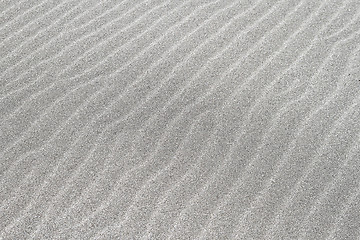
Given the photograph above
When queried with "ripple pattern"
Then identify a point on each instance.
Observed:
(187, 119)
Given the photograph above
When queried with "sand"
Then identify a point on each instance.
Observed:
(186, 119)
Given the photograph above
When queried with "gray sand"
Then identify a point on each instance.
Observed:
(186, 119)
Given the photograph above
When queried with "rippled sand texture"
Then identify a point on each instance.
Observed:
(186, 119)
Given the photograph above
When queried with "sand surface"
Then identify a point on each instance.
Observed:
(179, 119)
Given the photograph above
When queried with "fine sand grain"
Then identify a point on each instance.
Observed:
(179, 119)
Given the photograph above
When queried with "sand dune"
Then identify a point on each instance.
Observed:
(189, 119)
